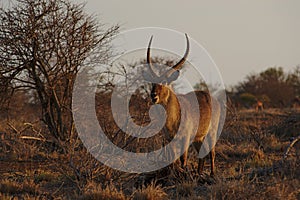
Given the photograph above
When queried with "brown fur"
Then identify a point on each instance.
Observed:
(259, 106)
(207, 126)
(164, 95)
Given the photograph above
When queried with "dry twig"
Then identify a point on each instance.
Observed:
(293, 142)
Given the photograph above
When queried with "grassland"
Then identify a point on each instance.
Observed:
(249, 162)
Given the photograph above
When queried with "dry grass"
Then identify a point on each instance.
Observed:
(248, 161)
(11, 187)
(185, 190)
(150, 192)
(269, 189)
(95, 191)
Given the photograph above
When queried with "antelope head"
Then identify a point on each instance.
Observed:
(161, 89)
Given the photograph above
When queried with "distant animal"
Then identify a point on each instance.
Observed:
(259, 106)
(163, 94)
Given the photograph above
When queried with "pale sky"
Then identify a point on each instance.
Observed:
(241, 36)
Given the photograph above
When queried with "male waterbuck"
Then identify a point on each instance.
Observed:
(162, 93)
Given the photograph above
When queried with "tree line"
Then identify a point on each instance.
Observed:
(273, 86)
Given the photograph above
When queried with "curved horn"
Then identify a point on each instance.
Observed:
(181, 62)
(149, 62)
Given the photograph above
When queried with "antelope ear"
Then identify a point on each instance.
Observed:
(173, 76)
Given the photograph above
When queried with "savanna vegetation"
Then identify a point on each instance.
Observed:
(43, 45)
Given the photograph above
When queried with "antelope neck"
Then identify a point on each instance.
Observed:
(173, 111)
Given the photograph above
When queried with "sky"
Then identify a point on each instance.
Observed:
(242, 37)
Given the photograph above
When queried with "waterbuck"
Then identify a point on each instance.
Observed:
(163, 94)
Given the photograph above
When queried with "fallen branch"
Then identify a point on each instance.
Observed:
(27, 125)
(13, 128)
(32, 138)
(296, 139)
